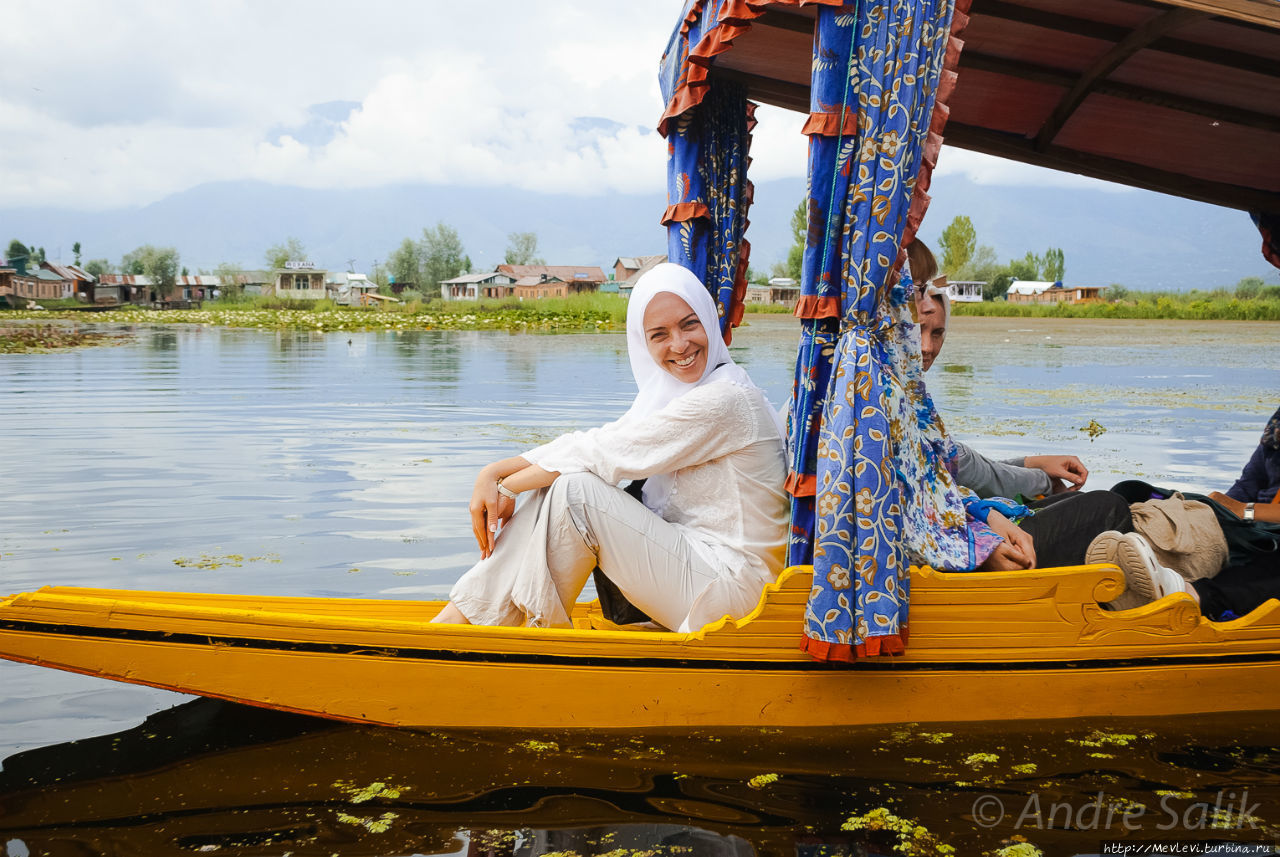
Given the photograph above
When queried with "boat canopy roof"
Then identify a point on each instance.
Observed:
(1176, 96)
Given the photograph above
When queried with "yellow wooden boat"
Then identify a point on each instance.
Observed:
(1001, 646)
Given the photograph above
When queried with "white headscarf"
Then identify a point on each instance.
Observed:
(657, 386)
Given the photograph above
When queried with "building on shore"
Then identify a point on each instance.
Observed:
(965, 291)
(300, 281)
(528, 288)
(17, 288)
(472, 287)
(628, 269)
(578, 279)
(782, 291)
(81, 281)
(1041, 292)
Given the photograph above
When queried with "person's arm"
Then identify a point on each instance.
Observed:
(1066, 472)
(1252, 478)
(706, 423)
(1017, 551)
(1267, 513)
(988, 478)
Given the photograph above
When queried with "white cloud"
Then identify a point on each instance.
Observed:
(157, 97)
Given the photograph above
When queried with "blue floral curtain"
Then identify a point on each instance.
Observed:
(708, 195)
(869, 476)
(708, 124)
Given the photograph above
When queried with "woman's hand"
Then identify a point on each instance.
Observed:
(489, 510)
(1065, 472)
(1016, 553)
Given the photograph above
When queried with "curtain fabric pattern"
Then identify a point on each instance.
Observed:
(708, 196)
(873, 493)
(708, 124)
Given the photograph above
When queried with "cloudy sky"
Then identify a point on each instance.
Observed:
(123, 103)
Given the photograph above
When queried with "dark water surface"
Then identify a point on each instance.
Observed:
(208, 459)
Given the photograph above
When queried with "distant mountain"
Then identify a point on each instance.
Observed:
(1141, 239)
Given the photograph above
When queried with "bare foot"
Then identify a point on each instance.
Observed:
(451, 615)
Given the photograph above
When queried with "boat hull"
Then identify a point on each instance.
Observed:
(992, 647)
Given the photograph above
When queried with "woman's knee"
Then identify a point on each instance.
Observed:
(578, 488)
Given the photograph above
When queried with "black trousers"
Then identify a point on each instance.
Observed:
(1064, 524)
(1236, 591)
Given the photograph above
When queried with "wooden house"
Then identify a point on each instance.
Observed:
(1040, 292)
(578, 279)
(80, 281)
(470, 287)
(541, 287)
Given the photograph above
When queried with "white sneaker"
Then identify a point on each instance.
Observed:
(1146, 580)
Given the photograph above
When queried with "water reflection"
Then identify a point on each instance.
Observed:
(340, 463)
(210, 775)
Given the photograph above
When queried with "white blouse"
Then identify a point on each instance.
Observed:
(721, 446)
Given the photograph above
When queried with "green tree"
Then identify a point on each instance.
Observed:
(18, 255)
(161, 264)
(1249, 288)
(1054, 265)
(443, 257)
(958, 242)
(404, 264)
(1117, 292)
(522, 249)
(290, 250)
(131, 262)
(97, 267)
(39, 256)
(228, 274)
(799, 229)
(75, 249)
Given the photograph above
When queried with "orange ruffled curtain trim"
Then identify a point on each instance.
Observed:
(683, 211)
(735, 19)
(801, 484)
(889, 644)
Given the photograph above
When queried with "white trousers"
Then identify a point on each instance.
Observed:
(558, 535)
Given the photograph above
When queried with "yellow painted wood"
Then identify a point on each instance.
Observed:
(985, 646)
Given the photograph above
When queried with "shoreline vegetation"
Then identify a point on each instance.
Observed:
(36, 338)
(1217, 305)
(23, 331)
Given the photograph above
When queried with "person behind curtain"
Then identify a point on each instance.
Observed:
(1030, 476)
(1259, 482)
(1098, 527)
(711, 531)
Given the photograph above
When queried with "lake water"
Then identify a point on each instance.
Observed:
(213, 459)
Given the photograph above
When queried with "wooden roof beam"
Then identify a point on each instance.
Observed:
(1064, 78)
(1155, 28)
(1002, 10)
(1018, 148)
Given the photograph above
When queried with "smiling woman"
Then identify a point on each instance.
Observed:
(709, 531)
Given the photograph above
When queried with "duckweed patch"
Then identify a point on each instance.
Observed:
(567, 315)
(381, 824)
(211, 562)
(37, 338)
(912, 838)
(539, 746)
(363, 794)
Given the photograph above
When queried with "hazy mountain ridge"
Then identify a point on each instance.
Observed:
(1141, 239)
